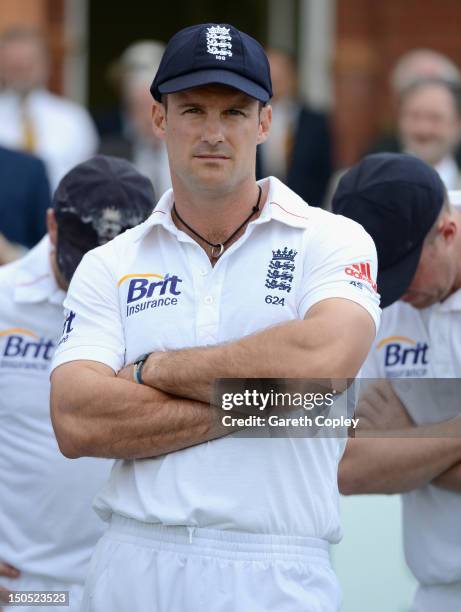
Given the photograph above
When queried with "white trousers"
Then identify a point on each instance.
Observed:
(438, 598)
(151, 568)
(31, 582)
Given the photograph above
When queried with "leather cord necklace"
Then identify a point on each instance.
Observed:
(218, 249)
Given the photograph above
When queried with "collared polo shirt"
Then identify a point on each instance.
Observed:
(424, 345)
(154, 289)
(47, 527)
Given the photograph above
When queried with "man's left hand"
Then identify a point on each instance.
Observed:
(380, 408)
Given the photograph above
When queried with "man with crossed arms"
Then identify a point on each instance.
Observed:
(413, 414)
(202, 520)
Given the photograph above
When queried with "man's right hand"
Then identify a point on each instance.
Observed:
(8, 571)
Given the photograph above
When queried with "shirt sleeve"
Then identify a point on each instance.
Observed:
(340, 261)
(93, 327)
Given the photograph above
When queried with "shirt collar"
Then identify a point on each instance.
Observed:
(452, 303)
(35, 280)
(448, 172)
(281, 205)
(284, 205)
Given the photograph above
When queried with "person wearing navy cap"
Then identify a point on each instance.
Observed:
(47, 527)
(229, 278)
(416, 225)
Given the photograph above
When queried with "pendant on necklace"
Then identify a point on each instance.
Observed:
(214, 250)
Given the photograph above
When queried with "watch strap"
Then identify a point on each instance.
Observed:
(138, 366)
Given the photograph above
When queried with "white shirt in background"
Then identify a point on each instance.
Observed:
(47, 526)
(449, 173)
(63, 131)
(423, 345)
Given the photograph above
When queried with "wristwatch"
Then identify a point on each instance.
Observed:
(138, 366)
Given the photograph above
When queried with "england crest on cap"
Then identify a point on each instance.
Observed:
(219, 42)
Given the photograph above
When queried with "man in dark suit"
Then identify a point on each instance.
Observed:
(298, 150)
(24, 198)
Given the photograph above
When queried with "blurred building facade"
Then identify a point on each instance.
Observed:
(65, 26)
(370, 38)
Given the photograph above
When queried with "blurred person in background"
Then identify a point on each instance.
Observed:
(409, 436)
(421, 64)
(32, 119)
(24, 199)
(414, 66)
(136, 140)
(47, 527)
(429, 125)
(298, 150)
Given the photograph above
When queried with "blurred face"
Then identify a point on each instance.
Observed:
(283, 74)
(211, 134)
(139, 107)
(429, 124)
(437, 272)
(23, 65)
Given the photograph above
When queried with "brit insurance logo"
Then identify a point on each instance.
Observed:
(147, 291)
(219, 42)
(24, 349)
(404, 357)
(68, 326)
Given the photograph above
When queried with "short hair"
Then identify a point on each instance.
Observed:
(452, 88)
(406, 72)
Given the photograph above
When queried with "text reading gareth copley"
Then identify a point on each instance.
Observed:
(273, 400)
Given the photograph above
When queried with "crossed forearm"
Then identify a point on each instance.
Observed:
(450, 479)
(103, 416)
(292, 350)
(402, 461)
(191, 372)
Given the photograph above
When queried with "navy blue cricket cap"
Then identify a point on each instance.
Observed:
(211, 53)
(397, 199)
(94, 202)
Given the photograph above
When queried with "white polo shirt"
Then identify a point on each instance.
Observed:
(154, 289)
(47, 527)
(424, 344)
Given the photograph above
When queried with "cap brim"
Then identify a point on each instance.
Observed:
(394, 281)
(220, 77)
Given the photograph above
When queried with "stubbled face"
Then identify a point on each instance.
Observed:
(211, 134)
(436, 274)
(429, 124)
